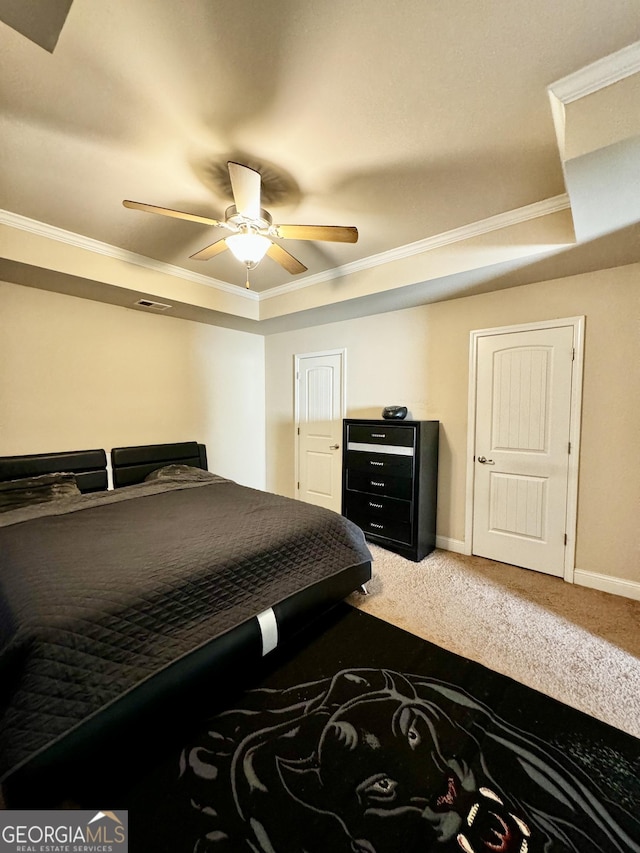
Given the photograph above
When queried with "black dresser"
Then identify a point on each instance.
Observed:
(390, 481)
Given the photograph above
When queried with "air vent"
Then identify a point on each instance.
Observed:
(155, 306)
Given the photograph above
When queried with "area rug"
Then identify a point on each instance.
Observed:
(371, 740)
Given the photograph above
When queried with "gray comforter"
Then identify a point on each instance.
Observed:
(99, 593)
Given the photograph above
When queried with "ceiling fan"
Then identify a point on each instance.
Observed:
(252, 227)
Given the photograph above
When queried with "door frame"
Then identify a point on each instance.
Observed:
(578, 324)
(296, 402)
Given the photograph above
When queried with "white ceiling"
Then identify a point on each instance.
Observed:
(406, 119)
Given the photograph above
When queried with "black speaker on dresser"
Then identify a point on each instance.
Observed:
(390, 481)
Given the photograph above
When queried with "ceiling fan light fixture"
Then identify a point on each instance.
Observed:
(248, 247)
(250, 223)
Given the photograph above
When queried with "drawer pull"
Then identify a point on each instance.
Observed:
(377, 526)
(378, 435)
(375, 506)
(380, 464)
(374, 483)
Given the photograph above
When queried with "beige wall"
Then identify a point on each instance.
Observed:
(76, 373)
(79, 374)
(419, 358)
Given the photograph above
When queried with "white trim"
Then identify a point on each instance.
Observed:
(466, 232)
(23, 223)
(592, 78)
(446, 544)
(598, 75)
(571, 523)
(605, 583)
(471, 445)
(342, 352)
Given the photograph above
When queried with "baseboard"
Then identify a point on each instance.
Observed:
(446, 544)
(605, 583)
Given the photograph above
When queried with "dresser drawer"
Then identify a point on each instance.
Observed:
(377, 507)
(399, 436)
(398, 466)
(399, 531)
(389, 482)
(379, 484)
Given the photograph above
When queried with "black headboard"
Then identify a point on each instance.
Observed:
(132, 464)
(89, 466)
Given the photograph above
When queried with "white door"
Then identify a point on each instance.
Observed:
(522, 434)
(320, 410)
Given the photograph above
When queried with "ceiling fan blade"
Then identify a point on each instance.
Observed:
(210, 251)
(333, 233)
(245, 183)
(167, 211)
(291, 264)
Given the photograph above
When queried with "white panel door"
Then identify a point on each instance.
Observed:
(523, 420)
(320, 413)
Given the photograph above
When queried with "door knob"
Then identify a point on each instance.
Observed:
(334, 447)
(486, 461)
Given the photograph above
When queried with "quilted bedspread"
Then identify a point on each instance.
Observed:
(102, 592)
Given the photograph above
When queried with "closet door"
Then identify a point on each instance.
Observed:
(320, 402)
(521, 462)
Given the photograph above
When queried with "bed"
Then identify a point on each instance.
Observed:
(117, 604)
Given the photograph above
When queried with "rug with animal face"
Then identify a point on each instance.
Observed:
(379, 761)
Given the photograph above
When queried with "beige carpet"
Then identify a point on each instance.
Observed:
(576, 644)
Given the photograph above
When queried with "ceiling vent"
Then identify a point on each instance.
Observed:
(155, 306)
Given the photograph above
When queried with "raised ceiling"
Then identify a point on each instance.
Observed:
(419, 123)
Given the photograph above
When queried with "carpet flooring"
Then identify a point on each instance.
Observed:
(578, 645)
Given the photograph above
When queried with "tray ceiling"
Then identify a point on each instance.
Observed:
(410, 121)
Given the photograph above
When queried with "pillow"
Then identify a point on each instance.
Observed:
(27, 491)
(183, 473)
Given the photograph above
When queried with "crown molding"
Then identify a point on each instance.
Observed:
(42, 229)
(604, 72)
(465, 232)
(455, 235)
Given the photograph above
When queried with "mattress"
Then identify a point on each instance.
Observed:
(102, 594)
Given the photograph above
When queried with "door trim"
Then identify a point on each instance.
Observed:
(296, 401)
(578, 324)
